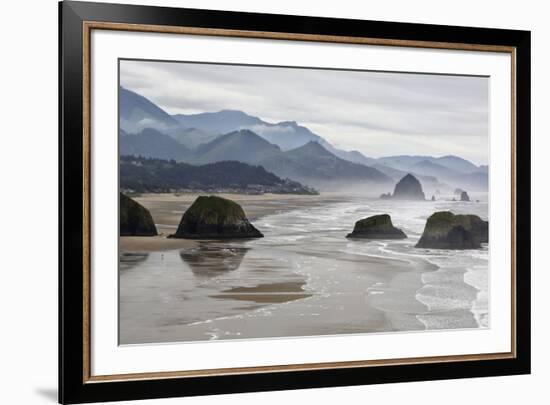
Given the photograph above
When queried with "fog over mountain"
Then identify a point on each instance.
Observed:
(286, 148)
(375, 113)
(137, 113)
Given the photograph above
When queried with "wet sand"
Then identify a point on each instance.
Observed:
(153, 243)
(304, 278)
(374, 295)
(167, 209)
(266, 293)
(222, 298)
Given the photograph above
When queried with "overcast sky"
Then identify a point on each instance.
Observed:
(376, 113)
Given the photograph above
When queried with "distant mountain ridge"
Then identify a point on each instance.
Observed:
(243, 146)
(152, 143)
(210, 137)
(286, 134)
(310, 162)
(221, 122)
(138, 113)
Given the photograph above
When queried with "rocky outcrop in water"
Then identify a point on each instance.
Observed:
(135, 219)
(445, 230)
(464, 196)
(408, 188)
(215, 218)
(376, 227)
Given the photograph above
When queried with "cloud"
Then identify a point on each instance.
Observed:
(267, 130)
(377, 113)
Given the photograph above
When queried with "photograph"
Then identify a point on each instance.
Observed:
(271, 200)
(264, 202)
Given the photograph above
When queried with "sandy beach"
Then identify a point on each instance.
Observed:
(304, 278)
(266, 293)
(167, 209)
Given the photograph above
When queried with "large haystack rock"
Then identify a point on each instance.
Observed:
(408, 188)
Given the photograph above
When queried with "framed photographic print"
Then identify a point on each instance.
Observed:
(257, 202)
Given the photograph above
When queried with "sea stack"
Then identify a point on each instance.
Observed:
(376, 227)
(135, 219)
(464, 196)
(215, 218)
(445, 230)
(408, 188)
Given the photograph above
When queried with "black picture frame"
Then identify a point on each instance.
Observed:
(73, 387)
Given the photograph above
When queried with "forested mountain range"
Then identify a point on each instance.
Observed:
(142, 175)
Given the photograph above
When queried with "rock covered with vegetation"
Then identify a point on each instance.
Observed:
(215, 218)
(376, 227)
(135, 219)
(445, 230)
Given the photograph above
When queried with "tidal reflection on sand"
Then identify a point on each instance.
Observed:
(304, 278)
(211, 259)
(132, 259)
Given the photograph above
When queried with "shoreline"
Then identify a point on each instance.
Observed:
(168, 208)
(290, 283)
(438, 308)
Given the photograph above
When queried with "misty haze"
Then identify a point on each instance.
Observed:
(263, 202)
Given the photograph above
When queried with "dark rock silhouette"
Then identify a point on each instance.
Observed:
(135, 219)
(215, 218)
(408, 188)
(376, 227)
(445, 230)
(464, 196)
(458, 191)
(433, 197)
